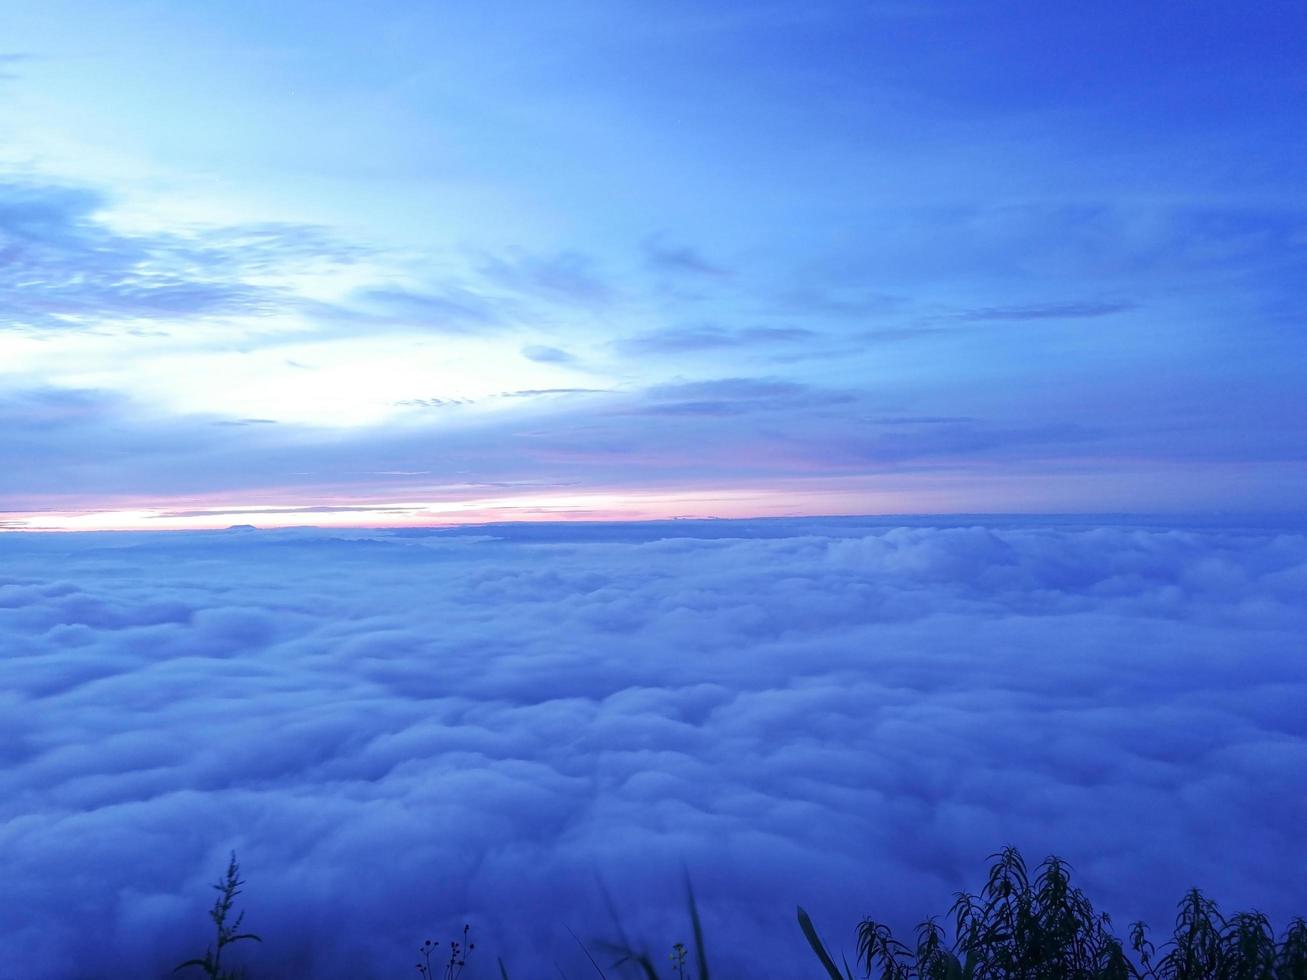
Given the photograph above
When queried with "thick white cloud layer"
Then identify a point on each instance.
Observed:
(399, 732)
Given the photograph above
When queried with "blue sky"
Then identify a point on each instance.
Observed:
(324, 263)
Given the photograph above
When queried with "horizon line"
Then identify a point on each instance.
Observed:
(1224, 518)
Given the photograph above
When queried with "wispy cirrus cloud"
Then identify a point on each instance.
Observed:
(452, 308)
(544, 354)
(1055, 249)
(9, 60)
(544, 392)
(66, 267)
(737, 396)
(682, 340)
(665, 256)
(1065, 310)
(570, 276)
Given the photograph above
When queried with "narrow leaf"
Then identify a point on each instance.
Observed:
(818, 947)
(700, 954)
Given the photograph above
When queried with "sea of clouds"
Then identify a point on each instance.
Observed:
(399, 732)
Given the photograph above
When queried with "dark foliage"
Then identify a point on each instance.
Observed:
(458, 954)
(228, 887)
(1018, 927)
(1021, 927)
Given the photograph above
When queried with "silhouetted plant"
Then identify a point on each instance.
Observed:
(1206, 944)
(818, 947)
(1291, 957)
(677, 956)
(1019, 928)
(228, 887)
(458, 952)
(627, 955)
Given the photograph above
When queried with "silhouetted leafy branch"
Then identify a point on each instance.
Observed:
(228, 887)
(1044, 928)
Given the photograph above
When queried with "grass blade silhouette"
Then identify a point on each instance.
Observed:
(598, 970)
(623, 949)
(818, 947)
(700, 955)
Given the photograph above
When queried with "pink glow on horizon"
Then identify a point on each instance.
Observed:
(1070, 488)
(275, 510)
